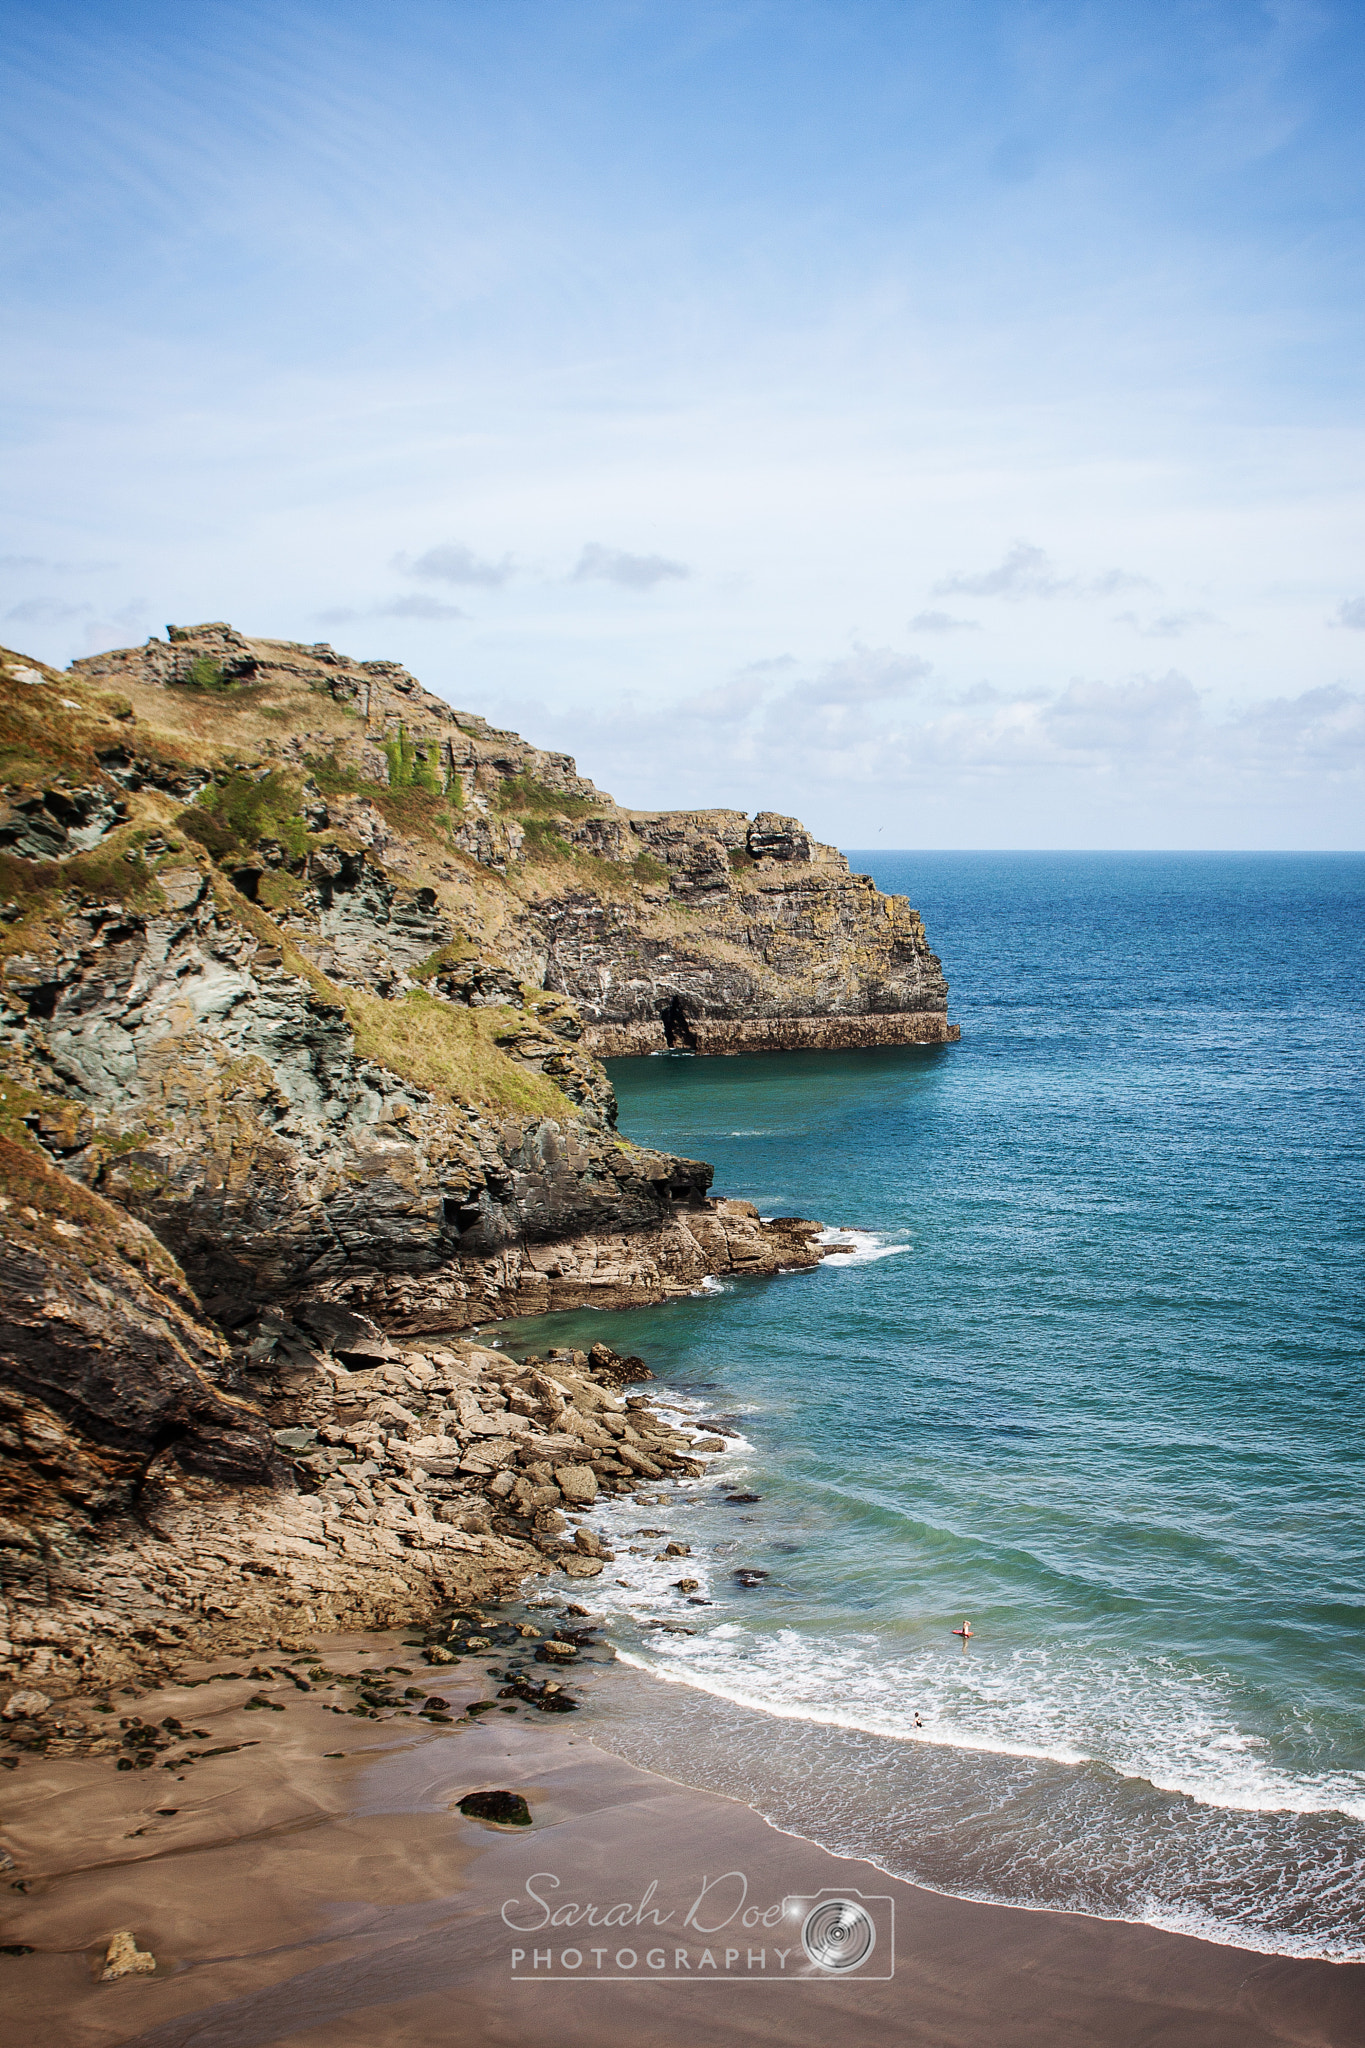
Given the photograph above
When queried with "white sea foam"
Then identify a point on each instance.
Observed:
(867, 1245)
(1148, 1718)
(1146, 1721)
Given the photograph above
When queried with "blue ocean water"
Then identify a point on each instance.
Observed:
(1091, 1378)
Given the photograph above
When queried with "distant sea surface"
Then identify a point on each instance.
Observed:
(1091, 1379)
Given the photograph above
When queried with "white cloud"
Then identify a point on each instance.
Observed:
(413, 605)
(867, 676)
(452, 563)
(417, 606)
(942, 622)
(632, 572)
(1169, 626)
(1323, 729)
(37, 610)
(1093, 762)
(1120, 719)
(1029, 571)
(31, 562)
(1351, 612)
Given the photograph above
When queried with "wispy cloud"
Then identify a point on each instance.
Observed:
(1029, 571)
(41, 562)
(528, 311)
(1107, 753)
(631, 572)
(412, 605)
(453, 563)
(34, 611)
(1169, 626)
(869, 675)
(417, 606)
(942, 622)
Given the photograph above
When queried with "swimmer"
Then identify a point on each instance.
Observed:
(964, 1631)
(918, 1722)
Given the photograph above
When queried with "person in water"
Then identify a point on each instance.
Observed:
(964, 1631)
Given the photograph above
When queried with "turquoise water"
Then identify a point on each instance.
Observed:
(1091, 1378)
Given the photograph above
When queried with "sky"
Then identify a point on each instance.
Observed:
(941, 423)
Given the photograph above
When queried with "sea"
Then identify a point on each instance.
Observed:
(1088, 1377)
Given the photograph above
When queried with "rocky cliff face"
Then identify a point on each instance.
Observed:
(702, 929)
(303, 979)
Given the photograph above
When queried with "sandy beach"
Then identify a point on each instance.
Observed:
(319, 1885)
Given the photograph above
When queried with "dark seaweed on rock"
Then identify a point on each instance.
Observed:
(508, 1809)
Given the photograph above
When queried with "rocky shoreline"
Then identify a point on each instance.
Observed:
(304, 975)
(405, 1478)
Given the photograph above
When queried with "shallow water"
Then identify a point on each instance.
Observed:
(1091, 1378)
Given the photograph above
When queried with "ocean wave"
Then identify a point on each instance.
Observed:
(857, 1247)
(999, 1826)
(1196, 1754)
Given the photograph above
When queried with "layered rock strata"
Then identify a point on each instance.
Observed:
(387, 1480)
(687, 928)
(301, 978)
(772, 1034)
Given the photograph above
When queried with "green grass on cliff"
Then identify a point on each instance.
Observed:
(414, 764)
(420, 811)
(42, 734)
(44, 1204)
(116, 872)
(449, 1050)
(522, 793)
(436, 1045)
(239, 810)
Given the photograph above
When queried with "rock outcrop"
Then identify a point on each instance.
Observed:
(705, 930)
(388, 1481)
(304, 979)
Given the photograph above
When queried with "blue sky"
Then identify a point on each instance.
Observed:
(942, 422)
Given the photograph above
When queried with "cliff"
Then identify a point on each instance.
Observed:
(702, 929)
(303, 981)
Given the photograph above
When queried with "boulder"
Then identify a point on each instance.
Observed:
(22, 1706)
(504, 1809)
(577, 1483)
(124, 1958)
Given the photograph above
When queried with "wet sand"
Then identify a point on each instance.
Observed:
(330, 1901)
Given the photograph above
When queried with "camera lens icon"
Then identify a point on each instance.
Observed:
(838, 1934)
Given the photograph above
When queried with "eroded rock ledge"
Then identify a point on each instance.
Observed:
(400, 1478)
(719, 1035)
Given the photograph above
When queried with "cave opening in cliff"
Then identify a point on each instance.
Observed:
(677, 1030)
